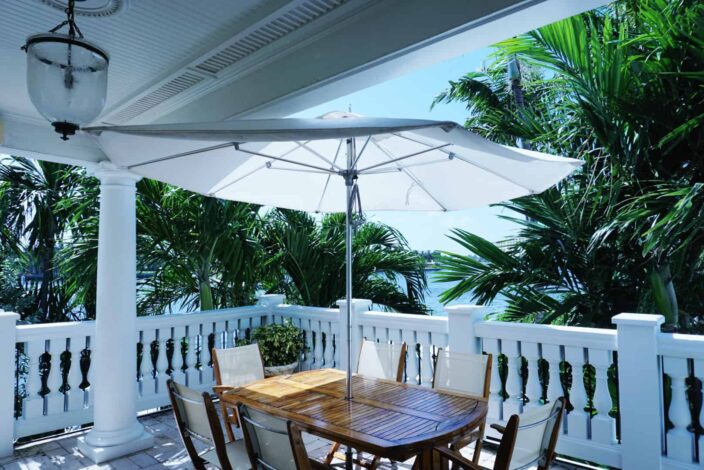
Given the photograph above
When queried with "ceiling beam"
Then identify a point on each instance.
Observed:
(385, 40)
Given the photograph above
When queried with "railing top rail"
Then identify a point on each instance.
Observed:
(54, 330)
(302, 311)
(597, 338)
(403, 321)
(187, 318)
(681, 345)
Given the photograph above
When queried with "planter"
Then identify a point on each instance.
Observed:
(280, 370)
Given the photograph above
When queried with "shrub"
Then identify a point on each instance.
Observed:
(280, 344)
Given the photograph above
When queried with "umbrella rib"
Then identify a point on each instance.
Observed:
(411, 176)
(285, 160)
(314, 152)
(481, 167)
(237, 180)
(359, 155)
(398, 159)
(180, 155)
(327, 180)
(410, 165)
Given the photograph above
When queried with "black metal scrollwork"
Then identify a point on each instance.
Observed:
(65, 366)
(84, 363)
(170, 356)
(44, 370)
(140, 356)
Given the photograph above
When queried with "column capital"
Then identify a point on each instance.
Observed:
(110, 174)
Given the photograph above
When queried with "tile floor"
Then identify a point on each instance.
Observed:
(167, 453)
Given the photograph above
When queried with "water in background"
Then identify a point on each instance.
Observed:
(432, 298)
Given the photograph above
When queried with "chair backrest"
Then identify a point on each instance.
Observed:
(238, 366)
(382, 360)
(196, 418)
(463, 372)
(505, 452)
(537, 436)
(267, 439)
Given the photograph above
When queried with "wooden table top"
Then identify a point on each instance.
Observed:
(386, 418)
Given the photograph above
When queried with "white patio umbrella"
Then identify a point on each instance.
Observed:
(331, 163)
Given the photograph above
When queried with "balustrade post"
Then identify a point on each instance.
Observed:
(603, 425)
(679, 440)
(514, 383)
(461, 320)
(493, 346)
(577, 419)
(359, 306)
(116, 431)
(534, 391)
(640, 389)
(8, 335)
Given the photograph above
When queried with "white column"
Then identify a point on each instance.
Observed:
(461, 320)
(270, 301)
(8, 332)
(116, 431)
(640, 386)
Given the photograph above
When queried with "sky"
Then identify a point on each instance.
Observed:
(410, 96)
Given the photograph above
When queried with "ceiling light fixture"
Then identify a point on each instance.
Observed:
(67, 76)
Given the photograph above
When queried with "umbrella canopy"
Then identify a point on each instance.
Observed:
(327, 164)
(402, 164)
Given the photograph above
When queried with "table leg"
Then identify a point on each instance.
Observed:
(348, 458)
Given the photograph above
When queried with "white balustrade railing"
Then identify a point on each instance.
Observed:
(622, 412)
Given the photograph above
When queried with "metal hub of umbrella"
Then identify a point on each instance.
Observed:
(331, 163)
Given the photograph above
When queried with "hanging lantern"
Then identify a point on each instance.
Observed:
(67, 76)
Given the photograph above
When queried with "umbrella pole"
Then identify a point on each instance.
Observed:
(349, 183)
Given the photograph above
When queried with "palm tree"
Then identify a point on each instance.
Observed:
(34, 225)
(203, 251)
(609, 87)
(311, 259)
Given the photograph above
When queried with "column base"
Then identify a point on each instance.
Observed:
(103, 453)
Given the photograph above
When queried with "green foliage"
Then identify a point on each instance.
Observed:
(279, 344)
(310, 257)
(201, 251)
(621, 88)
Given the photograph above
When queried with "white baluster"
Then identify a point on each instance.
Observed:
(426, 356)
(220, 331)
(34, 403)
(308, 328)
(231, 331)
(368, 333)
(514, 388)
(55, 399)
(76, 396)
(318, 348)
(192, 373)
(412, 377)
(552, 354)
(162, 362)
(149, 382)
(679, 440)
(178, 363)
(328, 344)
(577, 419)
(603, 425)
(493, 347)
(699, 374)
(531, 351)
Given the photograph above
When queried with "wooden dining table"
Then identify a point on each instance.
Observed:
(385, 418)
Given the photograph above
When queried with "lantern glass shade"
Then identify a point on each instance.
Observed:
(66, 77)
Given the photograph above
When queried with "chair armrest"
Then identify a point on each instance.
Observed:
(221, 389)
(457, 458)
(499, 428)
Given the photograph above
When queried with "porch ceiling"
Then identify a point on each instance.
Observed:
(211, 60)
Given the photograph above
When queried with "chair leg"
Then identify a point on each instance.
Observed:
(478, 444)
(331, 453)
(226, 420)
